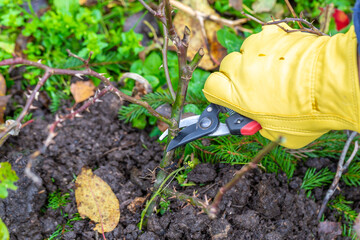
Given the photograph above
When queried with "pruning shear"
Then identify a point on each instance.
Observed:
(208, 124)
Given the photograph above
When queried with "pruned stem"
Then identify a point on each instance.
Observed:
(214, 207)
(339, 171)
(196, 60)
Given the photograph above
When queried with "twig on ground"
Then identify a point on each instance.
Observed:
(340, 169)
(213, 209)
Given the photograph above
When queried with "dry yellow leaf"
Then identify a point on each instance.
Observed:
(197, 40)
(82, 2)
(3, 98)
(96, 200)
(82, 90)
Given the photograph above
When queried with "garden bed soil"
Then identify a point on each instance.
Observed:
(261, 206)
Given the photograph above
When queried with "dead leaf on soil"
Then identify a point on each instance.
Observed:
(96, 200)
(329, 229)
(137, 202)
(197, 41)
(82, 90)
(3, 99)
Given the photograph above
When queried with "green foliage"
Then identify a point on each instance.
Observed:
(7, 179)
(344, 209)
(57, 200)
(4, 233)
(130, 47)
(329, 145)
(312, 8)
(241, 150)
(352, 176)
(348, 231)
(67, 25)
(190, 162)
(164, 204)
(134, 112)
(229, 39)
(343, 206)
(64, 228)
(313, 179)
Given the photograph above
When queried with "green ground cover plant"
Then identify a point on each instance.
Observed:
(97, 40)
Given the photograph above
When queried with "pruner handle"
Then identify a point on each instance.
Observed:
(241, 125)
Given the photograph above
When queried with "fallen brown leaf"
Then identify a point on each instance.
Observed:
(82, 90)
(137, 202)
(96, 200)
(329, 230)
(217, 52)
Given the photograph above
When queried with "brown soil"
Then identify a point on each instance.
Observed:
(261, 206)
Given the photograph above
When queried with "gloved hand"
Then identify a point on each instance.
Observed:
(297, 85)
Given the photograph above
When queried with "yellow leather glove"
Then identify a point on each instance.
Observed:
(296, 85)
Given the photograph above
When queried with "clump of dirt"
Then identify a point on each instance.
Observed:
(260, 206)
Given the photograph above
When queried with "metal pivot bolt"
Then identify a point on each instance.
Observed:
(205, 123)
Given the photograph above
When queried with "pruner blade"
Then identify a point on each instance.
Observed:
(207, 123)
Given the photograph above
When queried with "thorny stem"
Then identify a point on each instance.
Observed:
(55, 71)
(340, 169)
(214, 207)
